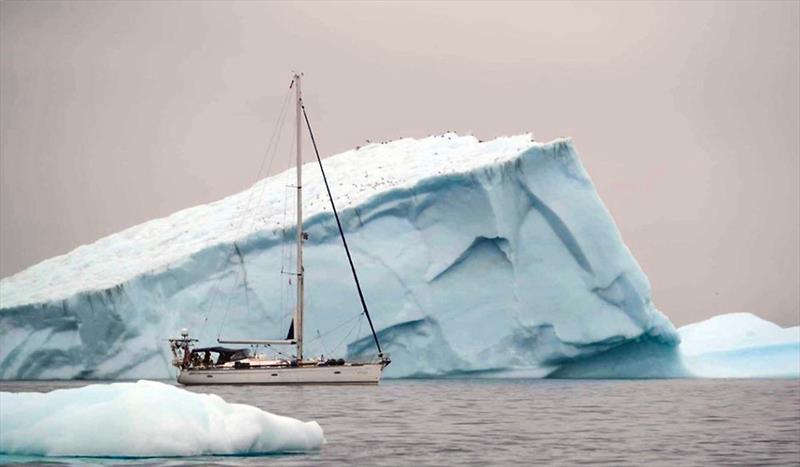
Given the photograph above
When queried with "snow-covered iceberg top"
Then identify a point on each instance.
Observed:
(144, 419)
(354, 176)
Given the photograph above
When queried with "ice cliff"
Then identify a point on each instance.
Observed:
(475, 257)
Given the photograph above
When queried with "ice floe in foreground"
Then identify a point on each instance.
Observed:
(144, 419)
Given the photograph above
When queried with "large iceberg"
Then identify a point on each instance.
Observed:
(476, 257)
(144, 419)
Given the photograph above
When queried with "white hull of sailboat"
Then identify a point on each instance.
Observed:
(368, 373)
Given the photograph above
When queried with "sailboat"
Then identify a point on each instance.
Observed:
(223, 365)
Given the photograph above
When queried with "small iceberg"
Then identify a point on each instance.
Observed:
(144, 419)
(740, 345)
(735, 345)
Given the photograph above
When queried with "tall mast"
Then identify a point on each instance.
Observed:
(298, 319)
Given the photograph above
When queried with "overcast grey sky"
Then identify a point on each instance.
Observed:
(686, 115)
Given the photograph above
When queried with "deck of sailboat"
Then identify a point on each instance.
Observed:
(349, 373)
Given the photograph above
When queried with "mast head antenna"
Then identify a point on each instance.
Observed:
(295, 76)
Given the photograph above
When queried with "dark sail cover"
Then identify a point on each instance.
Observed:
(290, 335)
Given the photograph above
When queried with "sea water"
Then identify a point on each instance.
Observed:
(517, 422)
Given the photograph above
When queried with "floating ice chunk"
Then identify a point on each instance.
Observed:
(736, 345)
(740, 345)
(144, 419)
(733, 331)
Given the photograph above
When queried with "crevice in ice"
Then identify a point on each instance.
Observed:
(563, 152)
(245, 285)
(11, 358)
(398, 208)
(138, 359)
(498, 243)
(98, 330)
(49, 358)
(407, 292)
(622, 294)
(559, 228)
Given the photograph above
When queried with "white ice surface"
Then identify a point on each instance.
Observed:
(733, 331)
(740, 345)
(143, 419)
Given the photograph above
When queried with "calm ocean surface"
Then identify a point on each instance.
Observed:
(520, 422)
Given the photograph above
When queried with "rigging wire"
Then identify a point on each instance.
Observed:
(278, 352)
(346, 336)
(322, 343)
(358, 332)
(341, 233)
(286, 251)
(282, 289)
(337, 327)
(271, 148)
(272, 159)
(253, 218)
